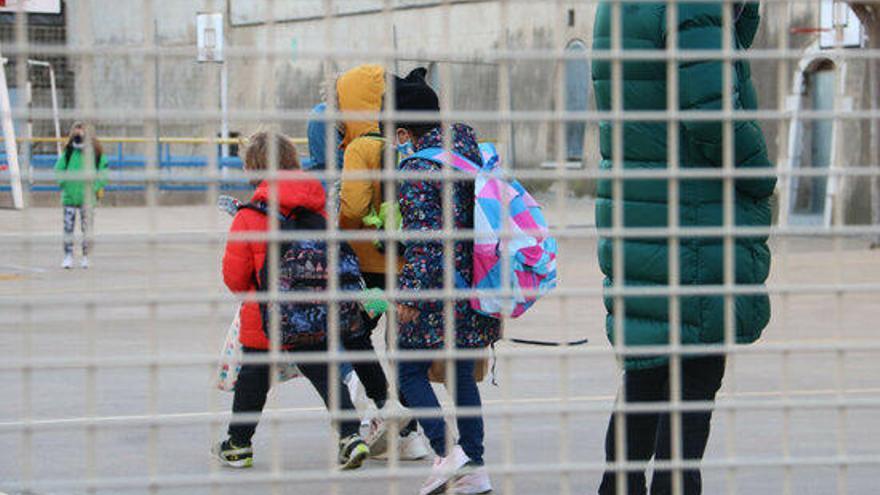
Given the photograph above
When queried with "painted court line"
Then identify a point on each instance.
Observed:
(535, 400)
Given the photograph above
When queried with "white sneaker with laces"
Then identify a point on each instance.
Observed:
(411, 447)
(476, 482)
(446, 469)
(84, 262)
(67, 264)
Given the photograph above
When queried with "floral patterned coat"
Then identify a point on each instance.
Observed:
(421, 207)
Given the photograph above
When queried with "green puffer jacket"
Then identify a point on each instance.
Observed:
(645, 201)
(73, 191)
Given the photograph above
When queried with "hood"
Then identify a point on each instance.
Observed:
(316, 132)
(361, 90)
(299, 190)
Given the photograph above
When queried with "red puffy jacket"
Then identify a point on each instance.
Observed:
(244, 258)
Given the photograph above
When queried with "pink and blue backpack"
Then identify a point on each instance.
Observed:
(526, 240)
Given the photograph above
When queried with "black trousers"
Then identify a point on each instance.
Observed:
(252, 388)
(649, 434)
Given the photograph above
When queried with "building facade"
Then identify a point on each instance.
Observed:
(279, 54)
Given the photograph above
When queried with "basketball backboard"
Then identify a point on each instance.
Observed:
(840, 26)
(209, 37)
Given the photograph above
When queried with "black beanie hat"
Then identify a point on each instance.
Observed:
(413, 93)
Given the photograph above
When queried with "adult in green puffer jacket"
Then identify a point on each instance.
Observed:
(645, 205)
(79, 196)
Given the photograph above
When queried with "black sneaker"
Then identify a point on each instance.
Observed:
(234, 456)
(353, 451)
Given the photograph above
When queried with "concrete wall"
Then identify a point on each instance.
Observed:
(117, 83)
(469, 86)
(291, 81)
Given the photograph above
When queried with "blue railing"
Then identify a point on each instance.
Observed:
(120, 161)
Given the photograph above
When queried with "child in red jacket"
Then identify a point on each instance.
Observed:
(242, 263)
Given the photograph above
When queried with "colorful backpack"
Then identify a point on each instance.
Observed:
(531, 251)
(302, 267)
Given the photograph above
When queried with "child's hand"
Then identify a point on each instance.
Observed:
(407, 314)
(228, 204)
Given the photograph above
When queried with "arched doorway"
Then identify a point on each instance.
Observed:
(812, 144)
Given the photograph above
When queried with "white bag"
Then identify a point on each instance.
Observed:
(231, 356)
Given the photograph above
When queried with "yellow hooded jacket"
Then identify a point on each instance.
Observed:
(360, 90)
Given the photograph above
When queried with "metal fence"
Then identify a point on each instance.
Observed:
(109, 374)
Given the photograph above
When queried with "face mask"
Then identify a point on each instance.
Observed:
(405, 150)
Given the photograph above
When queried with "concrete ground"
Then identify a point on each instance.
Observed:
(800, 422)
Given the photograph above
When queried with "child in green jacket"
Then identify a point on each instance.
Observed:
(80, 195)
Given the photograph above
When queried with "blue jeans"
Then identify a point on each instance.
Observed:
(420, 396)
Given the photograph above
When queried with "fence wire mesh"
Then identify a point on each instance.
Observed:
(694, 160)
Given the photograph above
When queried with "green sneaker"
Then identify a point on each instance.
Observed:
(353, 451)
(232, 455)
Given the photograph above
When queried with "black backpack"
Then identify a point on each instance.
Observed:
(302, 267)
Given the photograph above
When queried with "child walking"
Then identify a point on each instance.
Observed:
(362, 89)
(78, 197)
(422, 322)
(298, 196)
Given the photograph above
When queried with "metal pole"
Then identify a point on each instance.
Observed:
(29, 133)
(224, 108)
(55, 115)
(9, 142)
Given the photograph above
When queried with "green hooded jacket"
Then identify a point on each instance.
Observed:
(73, 191)
(645, 202)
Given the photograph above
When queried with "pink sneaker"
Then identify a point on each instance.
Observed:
(475, 482)
(446, 469)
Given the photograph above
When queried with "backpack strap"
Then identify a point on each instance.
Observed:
(303, 218)
(491, 158)
(443, 157)
(68, 151)
(261, 208)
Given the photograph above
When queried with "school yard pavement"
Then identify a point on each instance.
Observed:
(799, 422)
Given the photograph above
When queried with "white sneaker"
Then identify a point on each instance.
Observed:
(446, 469)
(377, 438)
(67, 264)
(411, 447)
(476, 482)
(84, 262)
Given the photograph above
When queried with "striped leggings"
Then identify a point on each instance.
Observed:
(86, 215)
